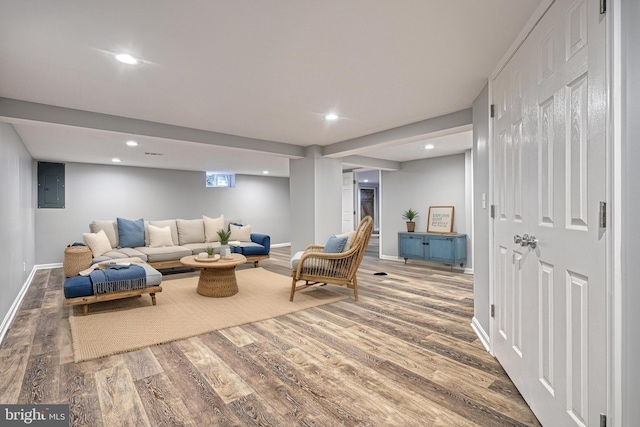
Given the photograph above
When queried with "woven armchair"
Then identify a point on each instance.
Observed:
(315, 266)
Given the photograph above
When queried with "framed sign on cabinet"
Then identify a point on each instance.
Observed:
(440, 219)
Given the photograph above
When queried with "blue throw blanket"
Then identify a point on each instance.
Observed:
(118, 278)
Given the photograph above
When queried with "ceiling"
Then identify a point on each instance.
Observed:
(264, 71)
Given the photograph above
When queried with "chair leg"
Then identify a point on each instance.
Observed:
(293, 289)
(355, 288)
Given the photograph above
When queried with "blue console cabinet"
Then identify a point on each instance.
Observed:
(449, 249)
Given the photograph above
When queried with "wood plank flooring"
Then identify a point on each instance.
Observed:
(403, 355)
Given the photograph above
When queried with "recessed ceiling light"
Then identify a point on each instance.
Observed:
(116, 160)
(132, 143)
(429, 147)
(128, 59)
(266, 172)
(331, 116)
(366, 180)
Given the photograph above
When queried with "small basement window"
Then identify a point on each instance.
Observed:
(220, 179)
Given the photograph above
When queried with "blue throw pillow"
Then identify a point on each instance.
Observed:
(130, 233)
(335, 245)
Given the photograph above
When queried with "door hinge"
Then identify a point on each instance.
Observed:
(603, 7)
(493, 211)
(603, 420)
(602, 215)
(492, 110)
(493, 310)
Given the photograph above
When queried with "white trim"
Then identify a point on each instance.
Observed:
(48, 266)
(391, 258)
(469, 205)
(4, 327)
(614, 198)
(482, 335)
(281, 245)
(490, 196)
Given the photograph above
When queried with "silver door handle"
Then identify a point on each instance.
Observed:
(531, 241)
(525, 240)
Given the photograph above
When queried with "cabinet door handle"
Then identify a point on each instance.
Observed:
(425, 243)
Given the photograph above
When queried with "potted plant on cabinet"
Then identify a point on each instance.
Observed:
(409, 215)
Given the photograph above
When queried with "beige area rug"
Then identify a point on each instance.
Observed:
(124, 325)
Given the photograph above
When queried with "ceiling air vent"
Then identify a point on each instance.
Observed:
(153, 154)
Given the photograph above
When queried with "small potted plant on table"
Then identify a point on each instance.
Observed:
(224, 241)
(409, 215)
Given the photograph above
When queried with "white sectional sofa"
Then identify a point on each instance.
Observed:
(162, 243)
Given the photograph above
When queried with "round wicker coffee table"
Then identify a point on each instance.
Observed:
(217, 279)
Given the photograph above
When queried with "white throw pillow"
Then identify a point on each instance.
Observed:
(240, 234)
(190, 231)
(110, 229)
(159, 237)
(211, 227)
(350, 235)
(98, 242)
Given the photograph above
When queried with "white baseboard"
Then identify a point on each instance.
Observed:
(6, 322)
(391, 258)
(482, 335)
(46, 266)
(281, 245)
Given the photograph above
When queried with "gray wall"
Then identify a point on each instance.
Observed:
(96, 192)
(630, 208)
(417, 185)
(316, 198)
(17, 196)
(481, 217)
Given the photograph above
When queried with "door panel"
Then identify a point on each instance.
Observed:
(549, 174)
(347, 202)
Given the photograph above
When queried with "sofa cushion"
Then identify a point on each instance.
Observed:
(78, 286)
(190, 231)
(97, 242)
(249, 248)
(166, 253)
(130, 232)
(196, 248)
(159, 237)
(295, 260)
(211, 227)
(171, 223)
(110, 228)
(116, 254)
(240, 233)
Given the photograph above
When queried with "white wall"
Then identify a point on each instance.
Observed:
(17, 197)
(481, 220)
(630, 369)
(95, 192)
(419, 184)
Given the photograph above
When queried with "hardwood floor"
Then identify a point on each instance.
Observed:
(403, 355)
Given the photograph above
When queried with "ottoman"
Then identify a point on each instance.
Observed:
(79, 290)
(76, 259)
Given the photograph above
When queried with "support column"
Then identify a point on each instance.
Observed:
(315, 192)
